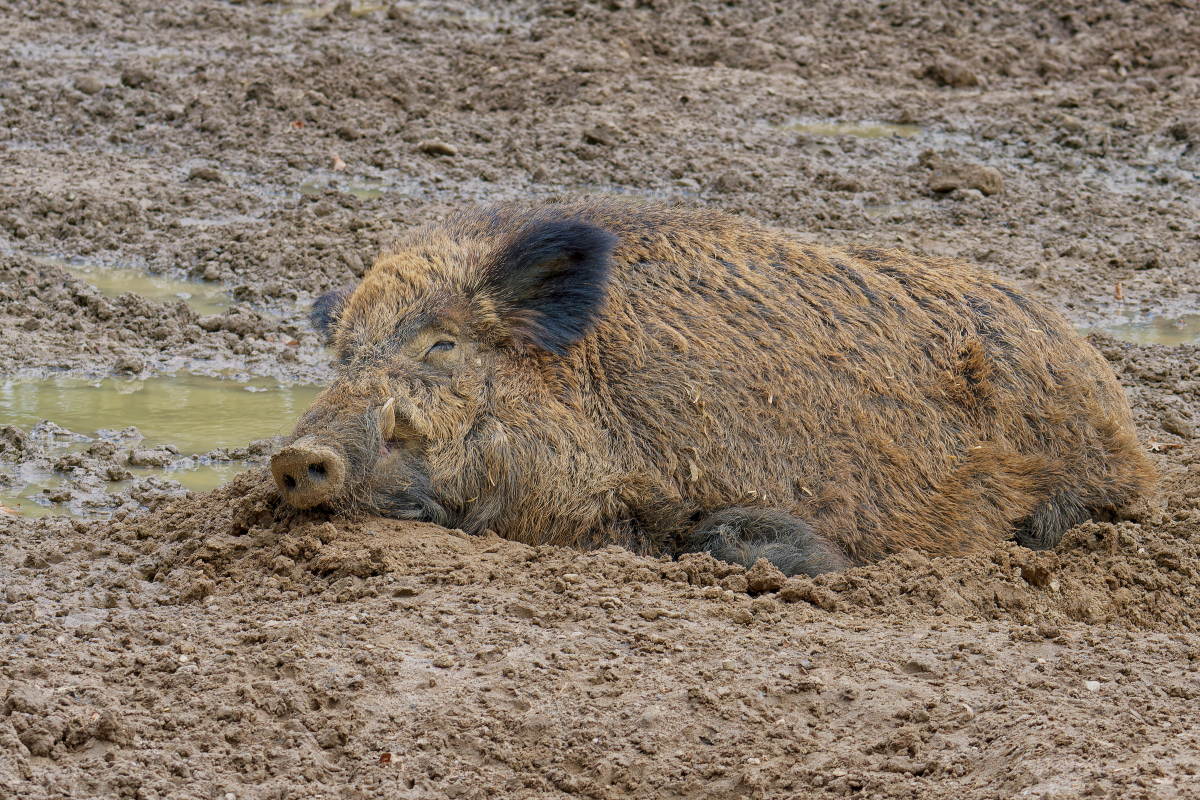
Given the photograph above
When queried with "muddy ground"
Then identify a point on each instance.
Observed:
(216, 646)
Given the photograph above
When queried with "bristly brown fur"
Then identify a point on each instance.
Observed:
(889, 401)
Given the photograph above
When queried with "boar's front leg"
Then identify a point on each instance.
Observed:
(742, 535)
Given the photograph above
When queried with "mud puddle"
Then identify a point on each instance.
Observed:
(865, 130)
(204, 298)
(364, 189)
(888, 211)
(210, 418)
(193, 413)
(1169, 331)
(44, 494)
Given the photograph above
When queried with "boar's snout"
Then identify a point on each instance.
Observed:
(308, 473)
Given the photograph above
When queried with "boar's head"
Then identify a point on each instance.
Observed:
(439, 409)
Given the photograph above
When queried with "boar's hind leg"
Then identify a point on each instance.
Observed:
(744, 535)
(1044, 528)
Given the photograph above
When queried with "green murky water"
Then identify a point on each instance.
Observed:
(1159, 330)
(195, 414)
(204, 298)
(868, 130)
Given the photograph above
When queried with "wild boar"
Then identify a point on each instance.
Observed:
(675, 379)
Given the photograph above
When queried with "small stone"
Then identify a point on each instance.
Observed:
(350, 133)
(436, 147)
(1092, 686)
(727, 665)
(728, 182)
(951, 72)
(1182, 131)
(88, 84)
(1069, 123)
(443, 661)
(32, 324)
(141, 457)
(948, 177)
(136, 77)
(540, 174)
(605, 134)
(355, 263)
(919, 666)
(521, 611)
(843, 183)
(130, 365)
(205, 174)
(764, 577)
(1175, 424)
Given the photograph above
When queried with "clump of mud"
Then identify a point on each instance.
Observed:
(227, 640)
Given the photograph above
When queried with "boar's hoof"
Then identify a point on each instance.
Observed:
(307, 473)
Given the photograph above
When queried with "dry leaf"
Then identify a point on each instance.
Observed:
(338, 164)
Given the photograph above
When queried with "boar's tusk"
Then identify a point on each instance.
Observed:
(387, 419)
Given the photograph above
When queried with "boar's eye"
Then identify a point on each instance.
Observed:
(441, 347)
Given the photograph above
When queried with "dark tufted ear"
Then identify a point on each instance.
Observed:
(327, 310)
(549, 282)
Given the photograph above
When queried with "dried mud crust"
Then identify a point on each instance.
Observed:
(226, 644)
(54, 323)
(1058, 143)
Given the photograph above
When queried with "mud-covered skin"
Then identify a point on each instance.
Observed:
(616, 372)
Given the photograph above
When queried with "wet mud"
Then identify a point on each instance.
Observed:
(161, 643)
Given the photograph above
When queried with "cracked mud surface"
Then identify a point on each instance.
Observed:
(209, 645)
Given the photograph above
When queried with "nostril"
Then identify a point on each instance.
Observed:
(308, 473)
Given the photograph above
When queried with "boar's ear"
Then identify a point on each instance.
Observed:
(327, 310)
(550, 281)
